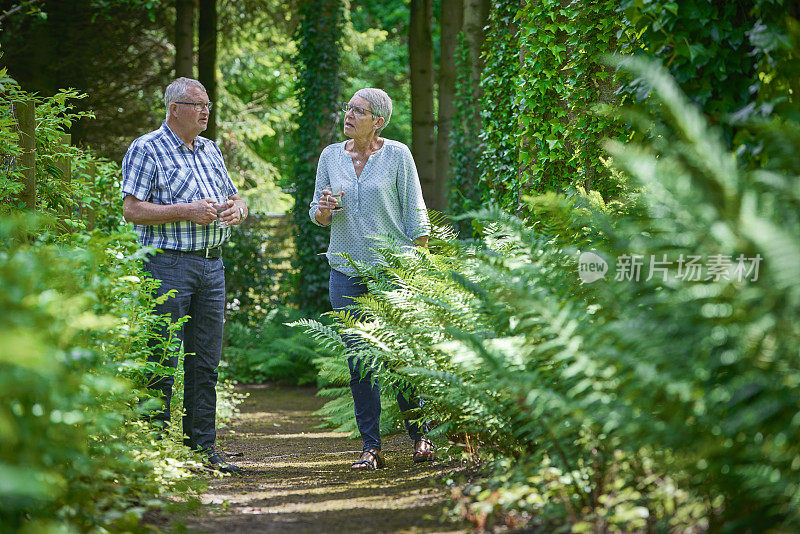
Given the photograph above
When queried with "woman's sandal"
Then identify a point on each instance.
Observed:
(424, 451)
(371, 459)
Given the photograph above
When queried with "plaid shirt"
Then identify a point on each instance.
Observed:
(160, 168)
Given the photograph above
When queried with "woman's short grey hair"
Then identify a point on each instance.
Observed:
(380, 103)
(177, 90)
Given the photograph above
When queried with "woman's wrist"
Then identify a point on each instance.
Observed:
(323, 217)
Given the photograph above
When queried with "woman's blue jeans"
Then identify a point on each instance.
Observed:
(366, 393)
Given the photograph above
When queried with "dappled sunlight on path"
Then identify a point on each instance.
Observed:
(298, 479)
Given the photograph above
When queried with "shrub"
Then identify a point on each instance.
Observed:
(270, 351)
(73, 450)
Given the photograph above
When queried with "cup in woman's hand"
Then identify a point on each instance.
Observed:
(339, 198)
(220, 207)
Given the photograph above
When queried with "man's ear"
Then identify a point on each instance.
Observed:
(380, 120)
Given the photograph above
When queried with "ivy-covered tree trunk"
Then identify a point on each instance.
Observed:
(451, 18)
(184, 38)
(207, 59)
(497, 177)
(423, 143)
(476, 15)
(318, 91)
(465, 143)
(558, 135)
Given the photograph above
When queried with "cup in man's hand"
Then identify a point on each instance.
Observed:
(220, 207)
(339, 198)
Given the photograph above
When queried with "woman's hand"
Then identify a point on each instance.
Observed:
(324, 207)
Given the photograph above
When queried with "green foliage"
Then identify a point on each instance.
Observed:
(257, 107)
(465, 147)
(559, 137)
(258, 260)
(123, 68)
(72, 199)
(660, 404)
(271, 351)
(498, 180)
(722, 54)
(542, 77)
(375, 54)
(73, 451)
(318, 89)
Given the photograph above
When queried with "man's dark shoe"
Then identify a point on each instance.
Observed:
(214, 461)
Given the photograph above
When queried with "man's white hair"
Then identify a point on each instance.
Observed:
(380, 103)
(177, 90)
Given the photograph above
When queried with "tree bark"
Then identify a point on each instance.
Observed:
(318, 87)
(420, 51)
(207, 59)
(25, 112)
(184, 38)
(476, 16)
(452, 15)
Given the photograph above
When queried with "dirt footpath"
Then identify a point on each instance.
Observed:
(298, 478)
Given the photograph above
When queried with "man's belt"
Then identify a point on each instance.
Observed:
(211, 253)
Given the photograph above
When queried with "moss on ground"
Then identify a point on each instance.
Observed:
(298, 480)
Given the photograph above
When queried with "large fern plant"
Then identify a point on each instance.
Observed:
(663, 403)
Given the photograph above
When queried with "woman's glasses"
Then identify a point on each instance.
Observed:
(360, 112)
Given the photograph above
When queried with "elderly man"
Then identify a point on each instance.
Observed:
(181, 200)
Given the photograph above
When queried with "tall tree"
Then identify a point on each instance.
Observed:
(318, 90)
(115, 52)
(452, 13)
(423, 147)
(207, 58)
(184, 38)
(476, 16)
(465, 143)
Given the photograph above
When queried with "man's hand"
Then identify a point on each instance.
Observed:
(231, 216)
(202, 211)
(235, 211)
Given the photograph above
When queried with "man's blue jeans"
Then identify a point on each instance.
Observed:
(200, 285)
(366, 393)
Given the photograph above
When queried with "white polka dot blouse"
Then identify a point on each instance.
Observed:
(384, 205)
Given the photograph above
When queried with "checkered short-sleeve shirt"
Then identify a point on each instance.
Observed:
(160, 168)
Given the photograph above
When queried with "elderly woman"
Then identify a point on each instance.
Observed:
(376, 182)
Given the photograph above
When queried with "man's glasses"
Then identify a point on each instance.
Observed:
(198, 106)
(360, 112)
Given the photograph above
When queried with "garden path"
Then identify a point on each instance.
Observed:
(298, 479)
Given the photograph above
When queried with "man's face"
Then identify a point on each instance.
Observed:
(187, 117)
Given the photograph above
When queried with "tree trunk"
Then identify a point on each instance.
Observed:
(184, 38)
(451, 19)
(25, 112)
(318, 87)
(476, 16)
(420, 51)
(207, 59)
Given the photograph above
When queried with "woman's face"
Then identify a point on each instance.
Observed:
(359, 125)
